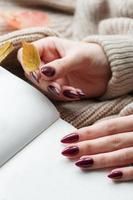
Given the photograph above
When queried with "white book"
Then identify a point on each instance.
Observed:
(32, 167)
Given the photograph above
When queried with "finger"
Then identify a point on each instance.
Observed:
(50, 89)
(35, 76)
(69, 92)
(81, 93)
(122, 174)
(54, 90)
(46, 49)
(103, 128)
(101, 145)
(47, 52)
(20, 58)
(117, 158)
(59, 68)
(32, 79)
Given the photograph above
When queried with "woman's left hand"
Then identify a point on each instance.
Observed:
(105, 144)
(69, 70)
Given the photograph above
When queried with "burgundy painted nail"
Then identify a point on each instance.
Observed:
(85, 162)
(70, 151)
(48, 71)
(73, 137)
(115, 175)
(82, 95)
(70, 94)
(35, 76)
(53, 90)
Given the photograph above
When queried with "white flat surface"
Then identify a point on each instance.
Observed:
(24, 114)
(40, 172)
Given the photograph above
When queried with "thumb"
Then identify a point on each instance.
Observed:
(58, 68)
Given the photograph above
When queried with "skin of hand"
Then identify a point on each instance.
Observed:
(108, 143)
(70, 70)
(75, 70)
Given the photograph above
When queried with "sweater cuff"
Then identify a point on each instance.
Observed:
(119, 52)
(128, 110)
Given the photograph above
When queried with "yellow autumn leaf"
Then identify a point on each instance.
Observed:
(30, 56)
(5, 50)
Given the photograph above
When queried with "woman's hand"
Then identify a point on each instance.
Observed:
(70, 70)
(105, 144)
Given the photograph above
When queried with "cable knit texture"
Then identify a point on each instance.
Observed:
(108, 23)
(119, 52)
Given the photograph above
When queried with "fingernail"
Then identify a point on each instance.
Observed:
(48, 71)
(70, 151)
(115, 175)
(70, 94)
(35, 76)
(85, 162)
(53, 90)
(81, 94)
(73, 137)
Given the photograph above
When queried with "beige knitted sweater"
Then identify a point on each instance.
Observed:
(110, 24)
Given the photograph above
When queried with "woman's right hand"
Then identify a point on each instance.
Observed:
(106, 144)
(70, 70)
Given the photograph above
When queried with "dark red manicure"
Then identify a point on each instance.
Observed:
(85, 162)
(70, 94)
(73, 137)
(115, 175)
(35, 76)
(53, 90)
(48, 71)
(70, 151)
(82, 95)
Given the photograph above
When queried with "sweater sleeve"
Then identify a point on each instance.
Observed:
(119, 52)
(100, 16)
(127, 110)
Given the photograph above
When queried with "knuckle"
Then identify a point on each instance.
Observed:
(115, 141)
(127, 156)
(131, 173)
(88, 147)
(61, 67)
(88, 134)
(111, 127)
(53, 38)
(104, 161)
